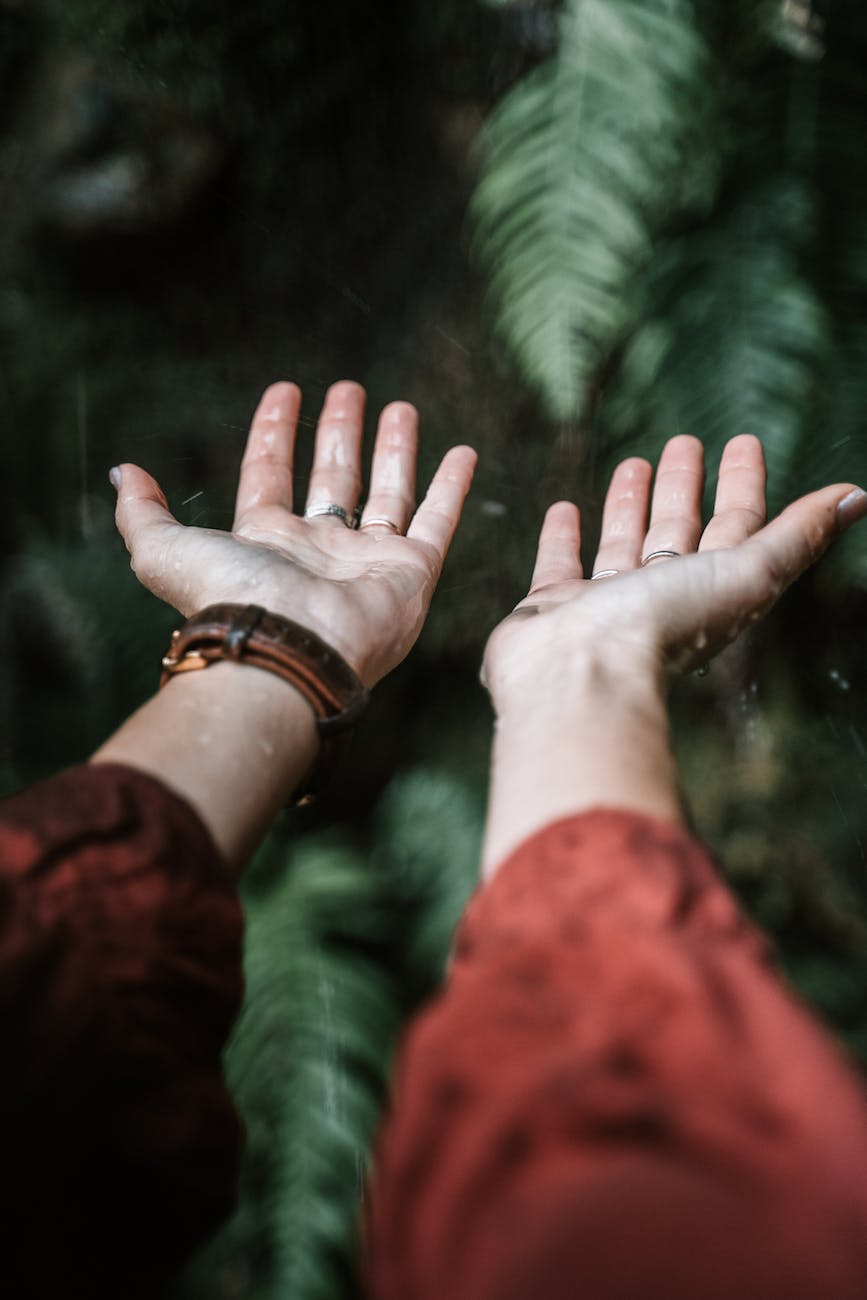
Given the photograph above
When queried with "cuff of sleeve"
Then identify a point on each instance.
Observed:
(107, 799)
(596, 868)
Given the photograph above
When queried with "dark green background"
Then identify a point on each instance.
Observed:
(197, 199)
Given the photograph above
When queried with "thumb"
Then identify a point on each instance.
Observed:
(732, 587)
(143, 519)
(797, 537)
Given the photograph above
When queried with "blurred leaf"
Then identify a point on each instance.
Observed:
(340, 946)
(581, 164)
(737, 341)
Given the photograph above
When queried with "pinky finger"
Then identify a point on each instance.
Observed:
(437, 517)
(558, 556)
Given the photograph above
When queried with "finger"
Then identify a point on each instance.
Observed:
(146, 525)
(392, 471)
(266, 467)
(675, 512)
(624, 517)
(734, 587)
(437, 517)
(335, 478)
(558, 556)
(797, 537)
(739, 508)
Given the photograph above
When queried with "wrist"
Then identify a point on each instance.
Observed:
(587, 736)
(233, 740)
(573, 675)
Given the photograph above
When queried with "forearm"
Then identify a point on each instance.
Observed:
(584, 737)
(231, 740)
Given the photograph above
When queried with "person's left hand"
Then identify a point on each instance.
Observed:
(366, 592)
(671, 591)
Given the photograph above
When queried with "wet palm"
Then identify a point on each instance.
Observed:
(670, 613)
(365, 592)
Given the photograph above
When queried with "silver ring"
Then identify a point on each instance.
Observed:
(382, 522)
(313, 512)
(656, 555)
(605, 573)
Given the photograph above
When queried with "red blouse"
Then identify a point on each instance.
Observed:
(120, 976)
(613, 1096)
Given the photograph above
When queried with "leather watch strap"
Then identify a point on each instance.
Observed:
(252, 635)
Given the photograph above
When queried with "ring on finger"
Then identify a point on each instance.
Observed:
(658, 555)
(331, 508)
(605, 573)
(381, 522)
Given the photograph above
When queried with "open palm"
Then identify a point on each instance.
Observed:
(365, 592)
(667, 591)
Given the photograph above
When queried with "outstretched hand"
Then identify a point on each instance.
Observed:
(367, 591)
(664, 592)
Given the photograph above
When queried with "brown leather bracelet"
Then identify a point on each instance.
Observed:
(251, 635)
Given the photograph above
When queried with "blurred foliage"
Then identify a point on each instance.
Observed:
(671, 217)
(201, 197)
(341, 946)
(583, 160)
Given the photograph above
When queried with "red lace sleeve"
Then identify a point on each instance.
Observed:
(615, 1097)
(120, 975)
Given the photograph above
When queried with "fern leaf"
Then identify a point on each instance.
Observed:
(581, 163)
(737, 341)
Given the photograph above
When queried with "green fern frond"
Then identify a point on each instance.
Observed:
(308, 1060)
(427, 837)
(340, 946)
(581, 164)
(737, 341)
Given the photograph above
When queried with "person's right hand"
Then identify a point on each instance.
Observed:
(671, 613)
(364, 591)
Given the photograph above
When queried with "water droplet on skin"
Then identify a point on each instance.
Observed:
(334, 448)
(391, 474)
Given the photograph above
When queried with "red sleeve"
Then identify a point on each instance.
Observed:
(120, 975)
(616, 1098)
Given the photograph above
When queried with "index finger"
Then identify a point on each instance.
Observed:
(558, 555)
(437, 517)
(266, 469)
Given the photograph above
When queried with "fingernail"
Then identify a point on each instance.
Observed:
(114, 478)
(852, 507)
